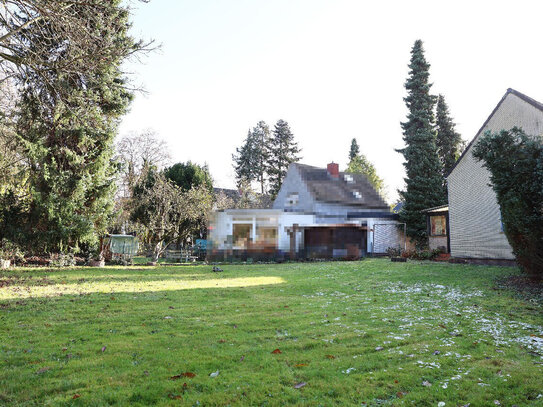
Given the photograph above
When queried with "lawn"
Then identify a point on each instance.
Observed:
(341, 333)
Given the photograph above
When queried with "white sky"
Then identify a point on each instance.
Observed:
(333, 69)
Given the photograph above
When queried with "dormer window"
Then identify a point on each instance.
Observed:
(348, 178)
(357, 195)
(292, 199)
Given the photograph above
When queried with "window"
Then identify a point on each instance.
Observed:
(292, 199)
(348, 178)
(241, 234)
(357, 194)
(266, 235)
(438, 225)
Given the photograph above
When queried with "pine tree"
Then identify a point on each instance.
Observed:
(354, 151)
(68, 141)
(424, 186)
(242, 162)
(260, 153)
(449, 142)
(251, 159)
(283, 151)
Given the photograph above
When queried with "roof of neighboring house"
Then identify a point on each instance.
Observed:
(230, 193)
(398, 207)
(441, 208)
(509, 91)
(324, 188)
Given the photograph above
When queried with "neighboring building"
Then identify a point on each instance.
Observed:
(437, 220)
(318, 213)
(476, 230)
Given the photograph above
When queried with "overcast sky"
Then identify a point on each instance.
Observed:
(333, 69)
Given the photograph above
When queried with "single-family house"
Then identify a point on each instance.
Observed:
(318, 213)
(476, 230)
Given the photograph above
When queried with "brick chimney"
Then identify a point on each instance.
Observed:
(333, 170)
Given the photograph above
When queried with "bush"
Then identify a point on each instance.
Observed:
(10, 251)
(394, 252)
(515, 162)
(422, 254)
(62, 260)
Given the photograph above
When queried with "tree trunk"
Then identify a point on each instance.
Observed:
(157, 251)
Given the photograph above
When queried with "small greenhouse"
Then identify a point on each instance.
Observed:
(120, 247)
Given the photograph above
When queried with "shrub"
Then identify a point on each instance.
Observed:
(422, 254)
(62, 260)
(394, 252)
(515, 162)
(10, 251)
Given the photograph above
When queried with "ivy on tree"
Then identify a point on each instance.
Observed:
(424, 185)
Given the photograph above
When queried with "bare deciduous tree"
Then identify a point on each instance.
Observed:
(137, 151)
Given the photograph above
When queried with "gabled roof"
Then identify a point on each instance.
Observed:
(324, 188)
(509, 91)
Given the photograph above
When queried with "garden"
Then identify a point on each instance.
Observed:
(370, 332)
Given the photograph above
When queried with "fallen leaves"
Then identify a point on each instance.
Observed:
(330, 356)
(76, 396)
(300, 385)
(43, 370)
(300, 365)
(190, 375)
(276, 351)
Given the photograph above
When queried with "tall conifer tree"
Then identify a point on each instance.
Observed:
(242, 162)
(251, 159)
(261, 153)
(424, 186)
(68, 140)
(283, 151)
(354, 151)
(449, 142)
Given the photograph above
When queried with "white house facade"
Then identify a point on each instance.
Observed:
(318, 213)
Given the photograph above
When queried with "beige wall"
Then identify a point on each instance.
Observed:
(474, 213)
(437, 242)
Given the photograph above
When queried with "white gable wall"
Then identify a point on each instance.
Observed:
(474, 213)
(294, 184)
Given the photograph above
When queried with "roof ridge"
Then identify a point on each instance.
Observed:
(510, 91)
(528, 99)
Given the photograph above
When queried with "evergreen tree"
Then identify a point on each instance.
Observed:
(242, 162)
(424, 186)
(515, 163)
(68, 140)
(189, 175)
(354, 151)
(283, 151)
(260, 153)
(251, 159)
(361, 165)
(449, 142)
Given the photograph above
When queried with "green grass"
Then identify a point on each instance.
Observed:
(357, 333)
